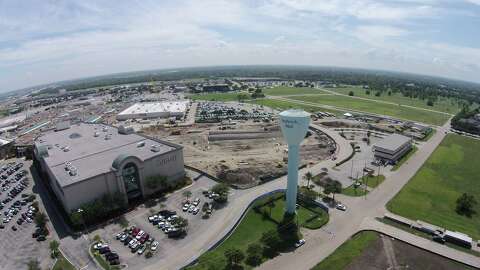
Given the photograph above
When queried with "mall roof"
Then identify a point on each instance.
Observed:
(156, 107)
(393, 142)
(91, 149)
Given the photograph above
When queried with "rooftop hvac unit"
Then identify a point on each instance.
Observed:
(96, 134)
(141, 144)
(66, 149)
(108, 137)
(105, 129)
(73, 171)
(155, 148)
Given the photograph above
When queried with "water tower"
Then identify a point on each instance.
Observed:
(294, 125)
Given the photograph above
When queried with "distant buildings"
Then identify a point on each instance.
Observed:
(392, 148)
(86, 161)
(149, 110)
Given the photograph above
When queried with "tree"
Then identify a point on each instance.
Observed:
(33, 265)
(430, 103)
(377, 94)
(41, 219)
(54, 248)
(367, 92)
(234, 256)
(310, 195)
(333, 187)
(465, 205)
(270, 239)
(187, 194)
(180, 223)
(154, 182)
(254, 252)
(308, 176)
(222, 190)
(351, 93)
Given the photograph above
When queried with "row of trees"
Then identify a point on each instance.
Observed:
(98, 210)
(329, 187)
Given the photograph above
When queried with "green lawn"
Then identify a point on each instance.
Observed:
(431, 194)
(347, 252)
(285, 90)
(354, 192)
(229, 96)
(373, 181)
(397, 111)
(249, 231)
(312, 217)
(405, 158)
(442, 104)
(284, 105)
(63, 264)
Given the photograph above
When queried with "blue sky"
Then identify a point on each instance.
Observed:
(44, 41)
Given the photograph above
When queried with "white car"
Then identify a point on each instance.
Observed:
(341, 207)
(185, 207)
(154, 246)
(191, 208)
(195, 211)
(299, 243)
(196, 201)
(98, 246)
(152, 218)
(139, 235)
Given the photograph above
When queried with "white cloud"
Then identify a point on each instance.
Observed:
(62, 40)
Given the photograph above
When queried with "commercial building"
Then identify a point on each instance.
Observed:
(86, 161)
(150, 110)
(392, 148)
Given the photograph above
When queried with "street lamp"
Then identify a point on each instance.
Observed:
(80, 211)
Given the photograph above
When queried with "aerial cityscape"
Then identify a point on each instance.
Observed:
(240, 135)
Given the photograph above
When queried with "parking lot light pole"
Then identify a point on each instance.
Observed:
(80, 211)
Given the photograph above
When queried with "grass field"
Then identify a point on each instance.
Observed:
(442, 104)
(373, 181)
(431, 194)
(63, 264)
(230, 96)
(377, 108)
(284, 90)
(347, 252)
(284, 105)
(354, 192)
(312, 218)
(249, 231)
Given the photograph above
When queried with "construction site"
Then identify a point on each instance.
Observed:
(243, 153)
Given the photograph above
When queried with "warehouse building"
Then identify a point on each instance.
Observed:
(148, 110)
(86, 161)
(392, 148)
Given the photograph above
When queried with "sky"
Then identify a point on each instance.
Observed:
(44, 41)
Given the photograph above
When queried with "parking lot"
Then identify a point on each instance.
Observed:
(167, 246)
(17, 244)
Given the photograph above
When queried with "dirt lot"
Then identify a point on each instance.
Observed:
(243, 153)
(386, 251)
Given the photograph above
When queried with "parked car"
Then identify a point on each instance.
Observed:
(141, 249)
(154, 246)
(341, 207)
(299, 243)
